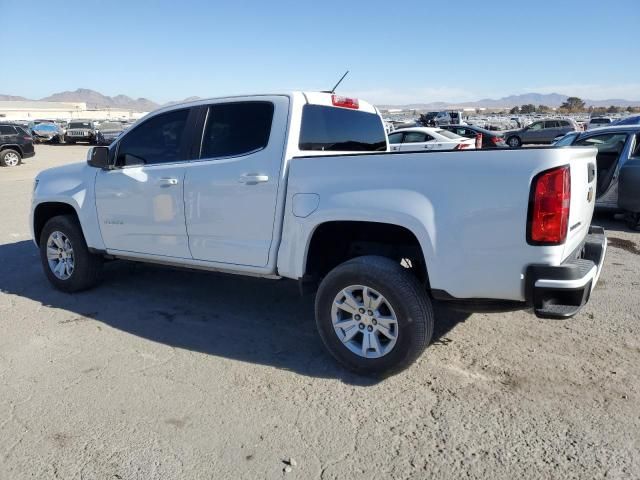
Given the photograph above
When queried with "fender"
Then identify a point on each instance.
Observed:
(71, 185)
(402, 208)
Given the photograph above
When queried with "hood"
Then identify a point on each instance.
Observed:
(70, 170)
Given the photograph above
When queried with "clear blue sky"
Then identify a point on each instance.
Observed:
(398, 52)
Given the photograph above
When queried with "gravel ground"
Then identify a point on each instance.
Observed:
(167, 374)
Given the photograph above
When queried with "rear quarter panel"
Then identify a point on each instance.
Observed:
(467, 209)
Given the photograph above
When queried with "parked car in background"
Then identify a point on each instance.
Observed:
(15, 144)
(435, 119)
(489, 139)
(540, 132)
(428, 138)
(633, 120)
(617, 166)
(107, 132)
(80, 131)
(597, 122)
(47, 132)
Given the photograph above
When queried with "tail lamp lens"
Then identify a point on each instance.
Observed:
(549, 207)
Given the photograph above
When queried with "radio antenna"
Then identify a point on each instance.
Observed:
(339, 82)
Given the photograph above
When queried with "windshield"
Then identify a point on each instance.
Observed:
(448, 134)
(80, 125)
(566, 140)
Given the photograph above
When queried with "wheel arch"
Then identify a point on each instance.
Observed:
(12, 146)
(45, 211)
(332, 242)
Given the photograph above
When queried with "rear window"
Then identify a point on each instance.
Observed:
(599, 121)
(448, 134)
(338, 129)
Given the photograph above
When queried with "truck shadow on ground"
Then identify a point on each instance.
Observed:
(247, 319)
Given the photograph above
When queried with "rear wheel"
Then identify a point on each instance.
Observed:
(514, 142)
(10, 158)
(373, 315)
(65, 257)
(633, 220)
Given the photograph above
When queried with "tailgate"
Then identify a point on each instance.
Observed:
(583, 194)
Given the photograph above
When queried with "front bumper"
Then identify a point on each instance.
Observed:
(561, 291)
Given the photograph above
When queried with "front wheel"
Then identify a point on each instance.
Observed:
(65, 257)
(514, 142)
(373, 315)
(10, 158)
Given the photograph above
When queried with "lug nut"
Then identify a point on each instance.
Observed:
(370, 328)
(374, 321)
(361, 310)
(370, 313)
(357, 317)
(361, 326)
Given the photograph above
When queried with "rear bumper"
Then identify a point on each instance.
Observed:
(561, 291)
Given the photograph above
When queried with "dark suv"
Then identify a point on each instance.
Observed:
(15, 144)
(80, 131)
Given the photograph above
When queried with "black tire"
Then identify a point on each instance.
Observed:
(69, 141)
(632, 220)
(514, 142)
(403, 292)
(8, 158)
(87, 271)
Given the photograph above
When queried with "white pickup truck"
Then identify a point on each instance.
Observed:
(302, 186)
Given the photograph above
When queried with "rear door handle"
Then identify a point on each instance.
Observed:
(253, 179)
(167, 182)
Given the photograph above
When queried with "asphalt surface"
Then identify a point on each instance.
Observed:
(168, 374)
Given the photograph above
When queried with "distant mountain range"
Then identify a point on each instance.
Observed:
(548, 99)
(95, 99)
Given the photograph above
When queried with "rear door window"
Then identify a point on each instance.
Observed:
(551, 124)
(415, 137)
(235, 129)
(339, 129)
(7, 130)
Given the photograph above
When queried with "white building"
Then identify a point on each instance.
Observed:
(32, 110)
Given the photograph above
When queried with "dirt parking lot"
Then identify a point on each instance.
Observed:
(168, 374)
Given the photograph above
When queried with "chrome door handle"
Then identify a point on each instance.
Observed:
(253, 179)
(167, 182)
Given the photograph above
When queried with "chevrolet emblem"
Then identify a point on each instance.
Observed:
(590, 194)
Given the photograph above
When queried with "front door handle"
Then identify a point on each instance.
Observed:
(253, 179)
(167, 182)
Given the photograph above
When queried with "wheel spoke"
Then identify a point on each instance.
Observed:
(345, 324)
(366, 338)
(56, 239)
(52, 253)
(350, 300)
(59, 268)
(387, 322)
(349, 334)
(386, 331)
(374, 342)
(346, 307)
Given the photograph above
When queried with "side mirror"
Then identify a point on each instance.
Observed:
(98, 157)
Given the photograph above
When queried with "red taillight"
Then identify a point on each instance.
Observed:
(345, 102)
(497, 140)
(27, 138)
(549, 207)
(462, 146)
